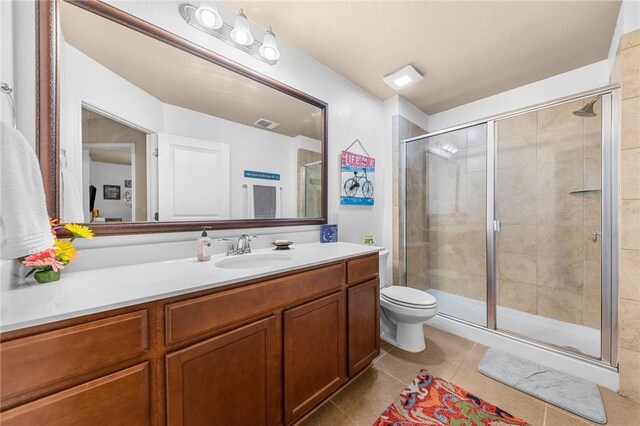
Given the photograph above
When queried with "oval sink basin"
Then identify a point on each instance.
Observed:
(250, 261)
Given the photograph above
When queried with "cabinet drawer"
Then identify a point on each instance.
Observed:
(362, 269)
(37, 361)
(119, 398)
(190, 318)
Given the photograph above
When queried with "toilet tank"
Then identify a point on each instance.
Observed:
(382, 268)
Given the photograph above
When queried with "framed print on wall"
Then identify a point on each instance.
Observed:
(358, 177)
(111, 192)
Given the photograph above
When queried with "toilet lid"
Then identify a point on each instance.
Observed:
(408, 296)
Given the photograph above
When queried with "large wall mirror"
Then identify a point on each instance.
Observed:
(156, 134)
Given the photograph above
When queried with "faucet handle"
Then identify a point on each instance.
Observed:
(230, 248)
(248, 238)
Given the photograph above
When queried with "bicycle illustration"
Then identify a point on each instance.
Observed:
(352, 184)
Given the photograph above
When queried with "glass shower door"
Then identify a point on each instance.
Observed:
(445, 222)
(548, 208)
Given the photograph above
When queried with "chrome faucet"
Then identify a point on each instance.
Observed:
(230, 250)
(243, 244)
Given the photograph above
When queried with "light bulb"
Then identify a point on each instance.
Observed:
(269, 53)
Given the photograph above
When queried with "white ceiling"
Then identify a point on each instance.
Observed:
(466, 50)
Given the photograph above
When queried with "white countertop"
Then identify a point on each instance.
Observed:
(99, 290)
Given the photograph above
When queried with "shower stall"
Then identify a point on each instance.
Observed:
(509, 223)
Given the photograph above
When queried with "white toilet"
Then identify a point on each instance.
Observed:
(402, 312)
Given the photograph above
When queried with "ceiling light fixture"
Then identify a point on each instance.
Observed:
(207, 18)
(207, 14)
(402, 78)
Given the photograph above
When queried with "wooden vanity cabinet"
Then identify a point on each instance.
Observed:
(364, 324)
(314, 353)
(229, 379)
(264, 352)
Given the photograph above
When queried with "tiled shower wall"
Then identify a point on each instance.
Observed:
(629, 56)
(401, 129)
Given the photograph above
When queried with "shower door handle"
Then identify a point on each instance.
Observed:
(497, 226)
(595, 235)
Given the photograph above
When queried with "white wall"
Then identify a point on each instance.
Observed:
(397, 105)
(110, 174)
(6, 57)
(84, 80)
(304, 142)
(24, 87)
(565, 84)
(251, 149)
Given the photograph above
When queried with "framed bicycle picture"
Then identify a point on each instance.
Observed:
(358, 177)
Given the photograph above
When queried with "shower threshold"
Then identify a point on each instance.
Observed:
(573, 337)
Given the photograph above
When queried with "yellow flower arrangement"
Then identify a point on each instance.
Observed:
(48, 264)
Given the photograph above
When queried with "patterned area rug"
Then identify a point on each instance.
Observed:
(431, 400)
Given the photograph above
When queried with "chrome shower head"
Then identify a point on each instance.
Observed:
(587, 110)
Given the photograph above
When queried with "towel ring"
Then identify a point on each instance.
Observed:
(7, 89)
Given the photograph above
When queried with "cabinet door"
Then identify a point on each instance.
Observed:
(230, 379)
(314, 353)
(120, 398)
(364, 324)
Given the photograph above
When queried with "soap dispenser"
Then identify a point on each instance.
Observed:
(203, 248)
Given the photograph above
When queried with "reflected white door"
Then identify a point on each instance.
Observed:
(193, 178)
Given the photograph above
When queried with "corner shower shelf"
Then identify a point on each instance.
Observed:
(584, 191)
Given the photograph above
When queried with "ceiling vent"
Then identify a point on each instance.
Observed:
(267, 124)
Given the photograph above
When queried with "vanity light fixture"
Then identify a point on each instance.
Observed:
(208, 19)
(402, 78)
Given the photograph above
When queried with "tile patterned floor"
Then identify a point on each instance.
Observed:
(455, 359)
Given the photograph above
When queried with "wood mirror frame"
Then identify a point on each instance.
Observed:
(47, 118)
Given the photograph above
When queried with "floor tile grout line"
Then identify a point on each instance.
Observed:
(375, 361)
(463, 361)
(392, 376)
(342, 411)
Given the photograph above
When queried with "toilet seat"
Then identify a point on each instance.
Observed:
(408, 297)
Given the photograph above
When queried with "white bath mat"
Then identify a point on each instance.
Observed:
(571, 393)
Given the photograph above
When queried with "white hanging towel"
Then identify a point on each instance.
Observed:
(264, 202)
(24, 223)
(71, 199)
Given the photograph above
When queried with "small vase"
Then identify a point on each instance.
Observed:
(44, 277)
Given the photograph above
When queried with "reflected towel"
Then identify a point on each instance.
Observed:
(263, 202)
(24, 222)
(71, 199)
